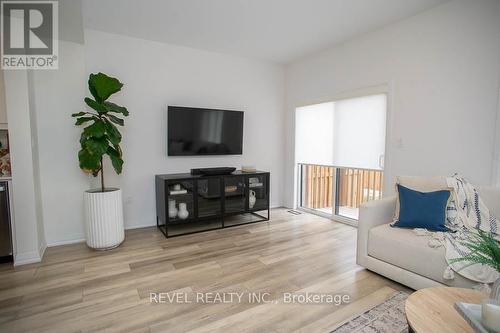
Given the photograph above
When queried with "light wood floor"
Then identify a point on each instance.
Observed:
(76, 289)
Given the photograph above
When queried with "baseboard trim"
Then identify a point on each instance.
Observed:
(66, 242)
(30, 257)
(41, 250)
(132, 227)
(27, 258)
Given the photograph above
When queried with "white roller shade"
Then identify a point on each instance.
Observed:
(314, 134)
(346, 133)
(359, 132)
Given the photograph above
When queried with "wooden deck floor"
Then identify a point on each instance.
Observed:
(76, 289)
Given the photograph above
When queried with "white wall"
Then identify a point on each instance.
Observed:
(496, 163)
(154, 75)
(58, 94)
(442, 69)
(29, 239)
(35, 154)
(71, 21)
(3, 108)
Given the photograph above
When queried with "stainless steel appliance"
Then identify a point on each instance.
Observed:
(5, 227)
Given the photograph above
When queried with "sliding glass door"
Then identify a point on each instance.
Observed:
(340, 147)
(331, 191)
(354, 187)
(317, 188)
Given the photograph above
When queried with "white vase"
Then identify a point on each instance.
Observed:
(183, 212)
(172, 210)
(252, 199)
(104, 218)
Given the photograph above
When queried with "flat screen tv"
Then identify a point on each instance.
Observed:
(197, 131)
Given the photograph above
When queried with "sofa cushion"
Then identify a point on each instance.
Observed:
(421, 184)
(422, 209)
(403, 248)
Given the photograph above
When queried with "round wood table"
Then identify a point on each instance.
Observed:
(431, 310)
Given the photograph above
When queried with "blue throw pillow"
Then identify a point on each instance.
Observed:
(422, 209)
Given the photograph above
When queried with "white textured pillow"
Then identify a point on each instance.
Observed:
(421, 184)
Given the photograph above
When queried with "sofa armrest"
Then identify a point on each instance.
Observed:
(372, 214)
(491, 198)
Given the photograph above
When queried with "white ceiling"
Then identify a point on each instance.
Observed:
(277, 30)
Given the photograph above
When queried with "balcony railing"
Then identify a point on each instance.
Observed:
(358, 186)
(318, 186)
(347, 188)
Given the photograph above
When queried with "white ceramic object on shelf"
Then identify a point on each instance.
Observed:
(183, 212)
(252, 199)
(172, 210)
(104, 218)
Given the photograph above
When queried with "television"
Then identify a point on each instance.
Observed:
(198, 131)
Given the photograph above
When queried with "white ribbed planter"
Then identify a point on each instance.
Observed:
(104, 218)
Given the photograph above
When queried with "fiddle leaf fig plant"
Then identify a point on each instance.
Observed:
(101, 137)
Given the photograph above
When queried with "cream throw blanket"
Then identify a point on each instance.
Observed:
(466, 212)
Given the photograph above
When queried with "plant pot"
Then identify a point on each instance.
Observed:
(104, 218)
(495, 290)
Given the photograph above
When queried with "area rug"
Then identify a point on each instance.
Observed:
(387, 317)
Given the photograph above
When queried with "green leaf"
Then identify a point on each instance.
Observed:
(484, 249)
(116, 159)
(102, 86)
(83, 120)
(97, 146)
(89, 162)
(99, 107)
(79, 114)
(115, 119)
(96, 130)
(83, 139)
(112, 107)
(114, 135)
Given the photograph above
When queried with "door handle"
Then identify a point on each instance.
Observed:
(381, 160)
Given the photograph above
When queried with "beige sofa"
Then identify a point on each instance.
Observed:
(401, 255)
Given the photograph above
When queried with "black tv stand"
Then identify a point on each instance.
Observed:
(212, 201)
